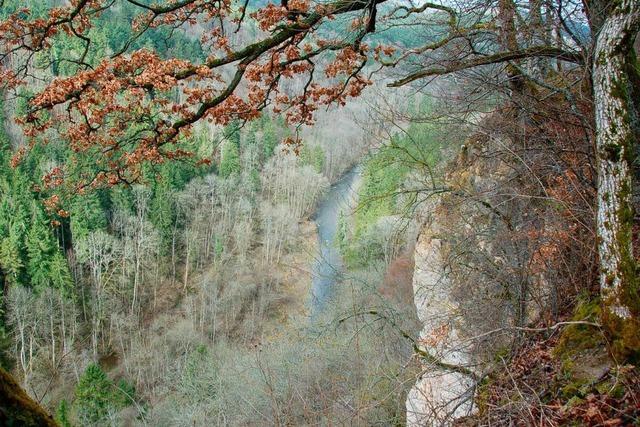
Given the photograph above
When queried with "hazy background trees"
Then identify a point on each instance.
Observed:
(193, 288)
(191, 271)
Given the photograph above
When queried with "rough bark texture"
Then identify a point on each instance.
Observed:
(17, 408)
(615, 118)
(509, 41)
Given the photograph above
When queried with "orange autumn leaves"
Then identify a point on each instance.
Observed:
(132, 109)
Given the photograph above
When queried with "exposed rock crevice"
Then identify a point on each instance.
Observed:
(471, 277)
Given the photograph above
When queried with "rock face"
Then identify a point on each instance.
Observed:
(472, 281)
(440, 395)
(445, 389)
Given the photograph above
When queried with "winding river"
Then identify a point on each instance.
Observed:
(327, 265)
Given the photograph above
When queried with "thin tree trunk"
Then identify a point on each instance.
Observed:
(173, 252)
(23, 351)
(52, 331)
(616, 143)
(508, 39)
(186, 268)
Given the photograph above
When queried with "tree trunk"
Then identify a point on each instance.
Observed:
(508, 39)
(4, 293)
(17, 408)
(615, 116)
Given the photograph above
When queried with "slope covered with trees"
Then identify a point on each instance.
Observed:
(159, 165)
(115, 298)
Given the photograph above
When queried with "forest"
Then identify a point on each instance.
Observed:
(332, 212)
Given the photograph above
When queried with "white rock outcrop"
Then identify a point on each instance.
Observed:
(440, 395)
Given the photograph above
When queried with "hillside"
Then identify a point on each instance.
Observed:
(344, 212)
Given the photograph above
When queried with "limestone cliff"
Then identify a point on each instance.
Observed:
(439, 394)
(469, 283)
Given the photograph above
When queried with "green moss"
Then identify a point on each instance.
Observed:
(577, 338)
(625, 340)
(625, 333)
(483, 393)
(572, 390)
(574, 401)
(501, 354)
(585, 358)
(611, 387)
(578, 343)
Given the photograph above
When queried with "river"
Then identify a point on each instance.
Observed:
(327, 265)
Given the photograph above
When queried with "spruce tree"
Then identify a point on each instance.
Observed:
(11, 258)
(62, 414)
(94, 396)
(60, 276)
(162, 214)
(40, 248)
(269, 140)
(87, 215)
(230, 162)
(232, 133)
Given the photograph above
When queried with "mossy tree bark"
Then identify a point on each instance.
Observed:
(616, 142)
(17, 408)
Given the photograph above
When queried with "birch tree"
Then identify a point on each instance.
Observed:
(98, 251)
(616, 86)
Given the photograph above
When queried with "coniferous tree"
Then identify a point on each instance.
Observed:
(87, 215)
(40, 248)
(94, 396)
(121, 199)
(60, 276)
(232, 133)
(11, 258)
(251, 135)
(62, 414)
(313, 156)
(230, 162)
(125, 393)
(269, 140)
(162, 214)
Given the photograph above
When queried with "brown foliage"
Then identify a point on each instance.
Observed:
(397, 283)
(122, 112)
